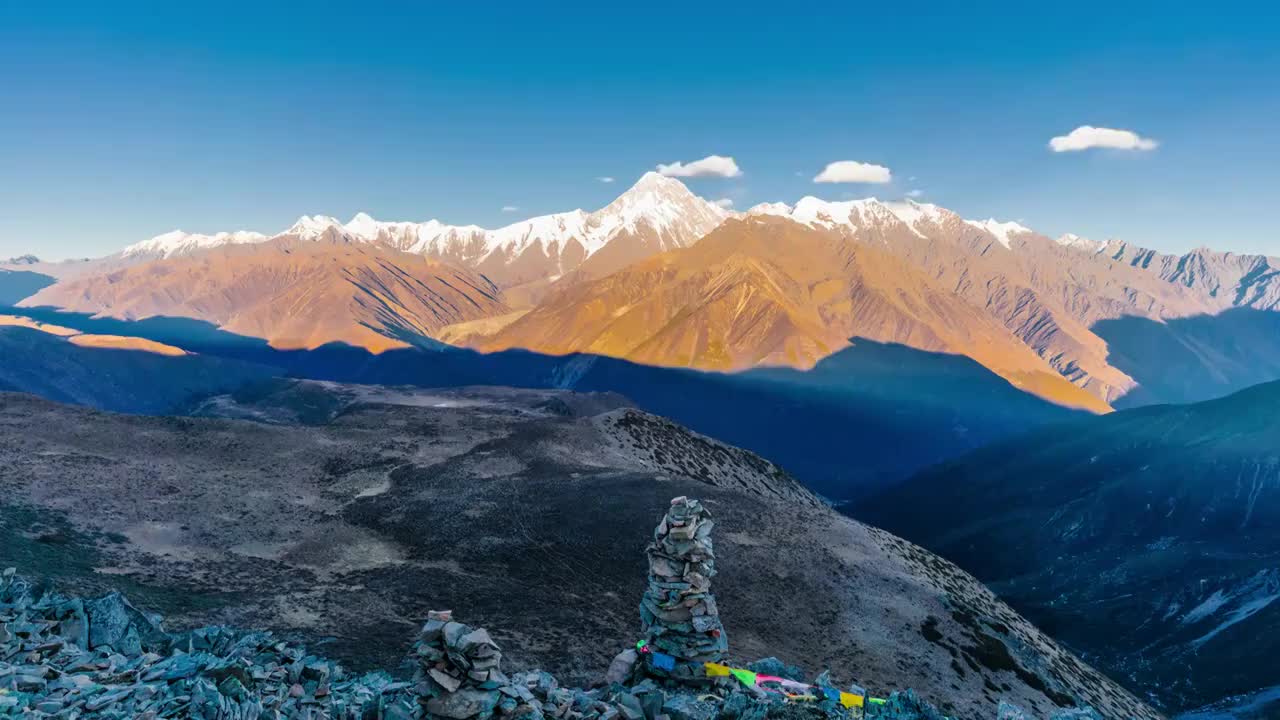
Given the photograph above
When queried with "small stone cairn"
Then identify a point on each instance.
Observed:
(458, 669)
(678, 613)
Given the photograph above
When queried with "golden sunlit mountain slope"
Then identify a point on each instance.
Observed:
(1049, 294)
(295, 294)
(768, 291)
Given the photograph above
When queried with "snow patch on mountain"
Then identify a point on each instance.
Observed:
(1235, 605)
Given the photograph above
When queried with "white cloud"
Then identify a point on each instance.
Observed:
(725, 203)
(915, 193)
(709, 166)
(605, 179)
(1087, 136)
(509, 208)
(852, 171)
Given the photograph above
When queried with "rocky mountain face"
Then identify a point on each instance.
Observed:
(1051, 294)
(343, 514)
(765, 291)
(1147, 539)
(1235, 280)
(292, 293)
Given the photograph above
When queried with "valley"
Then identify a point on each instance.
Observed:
(1146, 540)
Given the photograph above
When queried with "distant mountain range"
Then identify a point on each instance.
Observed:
(654, 215)
(1148, 539)
(778, 285)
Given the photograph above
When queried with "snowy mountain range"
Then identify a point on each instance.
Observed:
(656, 214)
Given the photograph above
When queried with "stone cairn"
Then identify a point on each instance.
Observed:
(458, 668)
(678, 613)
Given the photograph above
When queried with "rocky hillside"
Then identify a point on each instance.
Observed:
(510, 504)
(1148, 539)
(103, 658)
(292, 293)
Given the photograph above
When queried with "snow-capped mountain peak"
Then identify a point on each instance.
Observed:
(364, 226)
(309, 227)
(1074, 241)
(770, 208)
(663, 205)
(1003, 231)
(915, 214)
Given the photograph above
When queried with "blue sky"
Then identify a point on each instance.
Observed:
(119, 121)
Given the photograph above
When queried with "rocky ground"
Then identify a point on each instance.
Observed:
(340, 515)
(102, 658)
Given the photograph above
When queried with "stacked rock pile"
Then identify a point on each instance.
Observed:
(678, 613)
(458, 670)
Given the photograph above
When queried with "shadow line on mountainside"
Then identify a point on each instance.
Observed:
(862, 418)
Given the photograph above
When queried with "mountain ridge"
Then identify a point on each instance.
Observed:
(657, 212)
(1051, 295)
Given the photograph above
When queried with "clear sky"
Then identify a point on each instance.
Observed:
(119, 121)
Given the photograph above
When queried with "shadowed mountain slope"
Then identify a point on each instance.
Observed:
(1194, 358)
(867, 416)
(18, 284)
(1148, 540)
(113, 372)
(346, 531)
